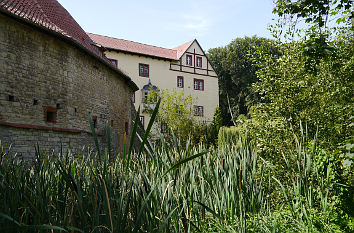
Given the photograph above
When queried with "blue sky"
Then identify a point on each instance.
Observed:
(171, 23)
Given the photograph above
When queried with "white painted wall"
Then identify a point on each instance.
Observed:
(164, 78)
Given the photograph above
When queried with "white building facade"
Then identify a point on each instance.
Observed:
(184, 68)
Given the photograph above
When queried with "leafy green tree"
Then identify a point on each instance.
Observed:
(321, 100)
(175, 111)
(176, 117)
(310, 84)
(316, 13)
(236, 66)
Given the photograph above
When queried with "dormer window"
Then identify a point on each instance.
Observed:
(189, 60)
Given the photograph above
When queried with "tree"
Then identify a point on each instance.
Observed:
(316, 13)
(322, 100)
(175, 114)
(176, 117)
(310, 84)
(236, 66)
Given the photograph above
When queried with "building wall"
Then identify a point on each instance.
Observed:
(37, 71)
(164, 73)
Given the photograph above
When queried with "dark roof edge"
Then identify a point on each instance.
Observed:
(188, 48)
(70, 40)
(195, 40)
(206, 57)
(140, 54)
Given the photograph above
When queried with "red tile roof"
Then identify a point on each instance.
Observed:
(182, 48)
(53, 16)
(138, 48)
(49, 14)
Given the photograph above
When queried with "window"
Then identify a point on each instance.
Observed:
(133, 97)
(112, 122)
(94, 120)
(126, 128)
(114, 62)
(50, 114)
(199, 84)
(180, 82)
(11, 98)
(143, 70)
(189, 60)
(142, 120)
(198, 110)
(199, 61)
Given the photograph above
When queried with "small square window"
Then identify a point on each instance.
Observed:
(11, 98)
(199, 84)
(180, 82)
(199, 61)
(35, 102)
(189, 60)
(143, 70)
(50, 114)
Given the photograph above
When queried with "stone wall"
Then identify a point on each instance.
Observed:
(41, 73)
(24, 142)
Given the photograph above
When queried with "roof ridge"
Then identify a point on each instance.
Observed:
(191, 41)
(47, 18)
(131, 41)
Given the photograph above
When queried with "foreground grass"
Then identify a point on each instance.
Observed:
(165, 189)
(168, 188)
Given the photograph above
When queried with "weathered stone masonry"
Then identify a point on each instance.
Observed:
(40, 72)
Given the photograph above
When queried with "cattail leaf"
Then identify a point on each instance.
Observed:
(152, 120)
(179, 163)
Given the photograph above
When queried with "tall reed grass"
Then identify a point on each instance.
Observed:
(165, 188)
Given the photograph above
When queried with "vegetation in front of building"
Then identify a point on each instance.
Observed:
(285, 166)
